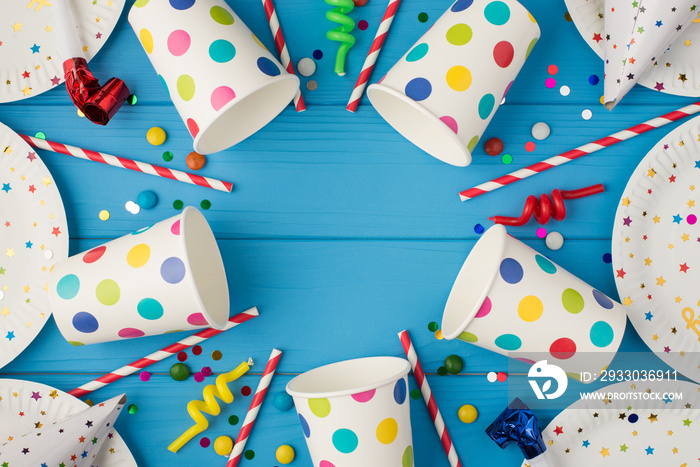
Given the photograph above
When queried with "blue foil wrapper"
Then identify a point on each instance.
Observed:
(518, 423)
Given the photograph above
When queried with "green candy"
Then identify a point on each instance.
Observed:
(179, 372)
(453, 364)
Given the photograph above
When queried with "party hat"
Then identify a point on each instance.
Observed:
(72, 441)
(637, 33)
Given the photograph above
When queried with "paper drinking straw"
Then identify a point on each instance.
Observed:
(254, 408)
(580, 151)
(429, 399)
(281, 45)
(372, 55)
(128, 164)
(162, 354)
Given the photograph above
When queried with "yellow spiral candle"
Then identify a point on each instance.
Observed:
(209, 405)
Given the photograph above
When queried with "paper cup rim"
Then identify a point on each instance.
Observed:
(462, 157)
(401, 368)
(496, 234)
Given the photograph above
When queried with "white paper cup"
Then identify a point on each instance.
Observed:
(443, 93)
(356, 413)
(510, 299)
(223, 81)
(163, 278)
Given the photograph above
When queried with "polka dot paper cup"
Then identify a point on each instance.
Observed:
(163, 278)
(223, 81)
(512, 300)
(356, 413)
(443, 93)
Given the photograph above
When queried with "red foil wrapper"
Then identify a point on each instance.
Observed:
(98, 103)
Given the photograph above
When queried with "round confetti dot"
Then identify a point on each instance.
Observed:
(249, 454)
(233, 420)
(554, 240)
(221, 51)
(155, 136)
(530, 308)
(89, 402)
(497, 13)
(442, 371)
(552, 70)
(179, 372)
(550, 82)
(502, 376)
(423, 17)
(438, 335)
(593, 80)
(206, 371)
(492, 377)
(167, 156)
(493, 146)
(284, 454)
(306, 67)
(48, 254)
(601, 334)
(132, 207)
(415, 394)
(40, 135)
(205, 204)
(223, 445)
(484, 309)
(479, 229)
(509, 342)
(216, 355)
(104, 215)
(418, 89)
(178, 42)
(586, 114)
(283, 401)
(400, 391)
(565, 90)
(221, 15)
(182, 356)
(562, 348)
(362, 25)
(387, 430)
(511, 271)
(567, 16)
(246, 391)
(607, 258)
(541, 232)
(199, 377)
(633, 418)
(345, 440)
(503, 54)
(454, 364)
(433, 326)
(602, 100)
(467, 413)
(312, 85)
(318, 54)
(204, 442)
(691, 219)
(178, 204)
(529, 146)
(459, 78)
(147, 199)
(540, 131)
(461, 5)
(459, 34)
(107, 292)
(506, 159)
(131, 100)
(85, 322)
(132, 409)
(197, 350)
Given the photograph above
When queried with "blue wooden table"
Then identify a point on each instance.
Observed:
(339, 230)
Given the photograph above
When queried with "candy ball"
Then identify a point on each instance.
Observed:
(223, 445)
(179, 372)
(285, 454)
(540, 130)
(147, 199)
(306, 67)
(467, 413)
(453, 364)
(156, 136)
(283, 401)
(195, 160)
(493, 147)
(554, 240)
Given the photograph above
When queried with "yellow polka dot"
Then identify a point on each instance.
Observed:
(146, 40)
(602, 100)
(530, 308)
(257, 41)
(532, 18)
(459, 78)
(104, 215)
(387, 431)
(320, 407)
(138, 256)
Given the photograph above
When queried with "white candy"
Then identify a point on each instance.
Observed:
(554, 240)
(564, 90)
(306, 67)
(540, 130)
(492, 376)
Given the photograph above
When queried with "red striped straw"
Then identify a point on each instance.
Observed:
(580, 151)
(372, 55)
(429, 399)
(128, 164)
(162, 354)
(281, 45)
(254, 408)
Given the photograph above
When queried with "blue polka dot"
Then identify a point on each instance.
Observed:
(601, 334)
(593, 80)
(304, 426)
(632, 418)
(268, 67)
(318, 54)
(508, 342)
(486, 106)
(162, 80)
(140, 231)
(461, 5)
(181, 4)
(418, 89)
(221, 51)
(400, 391)
(602, 300)
(478, 228)
(497, 13)
(417, 52)
(545, 264)
(68, 286)
(150, 308)
(607, 258)
(511, 271)
(85, 322)
(345, 440)
(172, 270)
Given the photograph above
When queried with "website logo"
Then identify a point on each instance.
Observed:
(541, 370)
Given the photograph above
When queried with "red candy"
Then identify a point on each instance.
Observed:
(359, 2)
(493, 147)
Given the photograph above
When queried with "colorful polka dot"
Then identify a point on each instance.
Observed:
(175, 228)
(141, 3)
(85, 322)
(485, 308)
(222, 51)
(593, 80)
(550, 82)
(320, 407)
(68, 287)
(563, 348)
(472, 143)
(172, 270)
(530, 308)
(268, 67)
(497, 13)
(221, 15)
(364, 396)
(107, 292)
(192, 127)
(150, 308)
(345, 440)
(541, 232)
(633, 418)
(530, 47)
(461, 5)
(572, 301)
(162, 80)
(130, 333)
(450, 122)
(459, 78)
(407, 458)
(304, 426)
(197, 319)
(601, 334)
(418, 89)
(423, 17)
(400, 391)
(146, 40)
(181, 4)
(459, 34)
(138, 256)
(602, 300)
(185, 87)
(317, 54)
(691, 219)
(325, 464)
(468, 337)
(486, 105)
(511, 271)
(221, 96)
(552, 69)
(197, 350)
(178, 42)
(387, 431)
(417, 52)
(545, 264)
(503, 54)
(509, 342)
(530, 146)
(94, 254)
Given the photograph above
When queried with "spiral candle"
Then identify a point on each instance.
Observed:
(341, 33)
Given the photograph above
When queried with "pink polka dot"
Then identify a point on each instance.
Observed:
(178, 42)
(562, 348)
(485, 308)
(205, 442)
(206, 371)
(145, 376)
(325, 464)
(529, 146)
(193, 127)
(128, 333)
(221, 96)
(450, 122)
(525, 360)
(541, 232)
(507, 89)
(197, 319)
(175, 228)
(362, 25)
(199, 377)
(94, 254)
(503, 54)
(550, 82)
(691, 219)
(364, 396)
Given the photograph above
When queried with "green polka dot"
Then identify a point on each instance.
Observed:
(545, 264)
(249, 454)
(233, 420)
(497, 13)
(506, 159)
(468, 337)
(76, 343)
(205, 204)
(530, 47)
(433, 326)
(459, 34)
(407, 459)
(178, 204)
(320, 407)
(417, 52)
(108, 292)
(221, 15)
(442, 371)
(472, 143)
(572, 301)
(423, 17)
(167, 156)
(141, 3)
(185, 87)
(415, 394)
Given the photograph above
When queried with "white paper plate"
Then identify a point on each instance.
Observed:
(30, 57)
(678, 60)
(656, 249)
(19, 412)
(639, 433)
(33, 235)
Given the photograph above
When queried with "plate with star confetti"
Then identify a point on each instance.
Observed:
(26, 406)
(33, 235)
(655, 423)
(677, 71)
(29, 50)
(656, 249)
